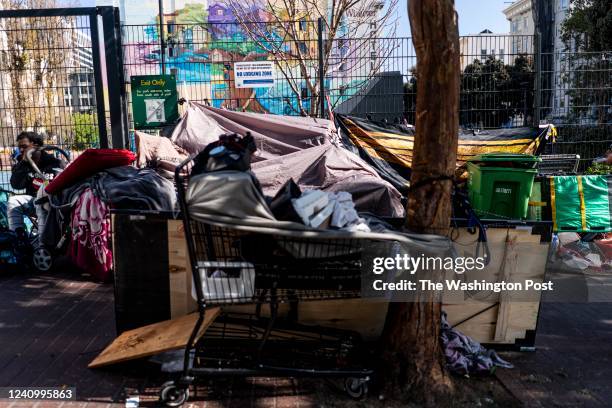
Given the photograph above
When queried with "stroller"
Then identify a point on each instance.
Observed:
(39, 256)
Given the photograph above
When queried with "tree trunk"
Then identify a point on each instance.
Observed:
(415, 366)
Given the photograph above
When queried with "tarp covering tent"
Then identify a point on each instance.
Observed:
(389, 147)
(301, 148)
(275, 135)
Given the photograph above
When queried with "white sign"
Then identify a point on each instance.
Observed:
(254, 74)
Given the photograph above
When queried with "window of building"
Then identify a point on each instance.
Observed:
(342, 67)
(563, 4)
(373, 55)
(303, 25)
(493, 53)
(483, 54)
(304, 92)
(84, 90)
(219, 12)
(502, 54)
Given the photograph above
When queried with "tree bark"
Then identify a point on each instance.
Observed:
(414, 363)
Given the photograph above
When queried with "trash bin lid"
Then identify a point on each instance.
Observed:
(505, 157)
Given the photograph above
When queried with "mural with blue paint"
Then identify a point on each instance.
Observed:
(204, 42)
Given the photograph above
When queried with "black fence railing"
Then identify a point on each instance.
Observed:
(52, 79)
(366, 75)
(49, 70)
(47, 82)
(577, 97)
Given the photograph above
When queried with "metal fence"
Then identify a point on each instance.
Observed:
(577, 97)
(50, 67)
(366, 75)
(46, 82)
(54, 77)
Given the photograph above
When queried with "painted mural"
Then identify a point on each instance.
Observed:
(204, 40)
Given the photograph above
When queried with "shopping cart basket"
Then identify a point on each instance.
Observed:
(236, 266)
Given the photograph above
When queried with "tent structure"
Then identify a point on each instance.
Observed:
(304, 149)
(388, 148)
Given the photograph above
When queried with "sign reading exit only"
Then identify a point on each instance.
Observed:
(154, 100)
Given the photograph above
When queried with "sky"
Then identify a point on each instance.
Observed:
(474, 15)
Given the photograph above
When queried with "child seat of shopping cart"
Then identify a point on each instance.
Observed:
(241, 255)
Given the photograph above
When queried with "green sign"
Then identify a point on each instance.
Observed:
(154, 100)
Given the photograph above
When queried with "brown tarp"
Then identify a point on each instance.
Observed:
(275, 135)
(288, 147)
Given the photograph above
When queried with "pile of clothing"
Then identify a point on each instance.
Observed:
(80, 199)
(582, 252)
(465, 356)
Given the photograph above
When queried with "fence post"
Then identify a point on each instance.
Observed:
(537, 100)
(321, 68)
(162, 40)
(114, 71)
(99, 84)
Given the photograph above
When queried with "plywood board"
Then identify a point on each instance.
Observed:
(366, 317)
(527, 261)
(181, 302)
(153, 339)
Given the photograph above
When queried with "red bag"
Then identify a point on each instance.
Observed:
(87, 164)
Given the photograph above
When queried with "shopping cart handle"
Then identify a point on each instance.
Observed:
(224, 264)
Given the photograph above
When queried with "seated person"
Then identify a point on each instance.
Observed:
(23, 178)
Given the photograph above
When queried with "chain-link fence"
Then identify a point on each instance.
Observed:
(577, 98)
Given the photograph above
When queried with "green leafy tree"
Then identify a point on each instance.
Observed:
(492, 94)
(587, 70)
(85, 131)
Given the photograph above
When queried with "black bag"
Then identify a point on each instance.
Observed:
(281, 205)
(230, 152)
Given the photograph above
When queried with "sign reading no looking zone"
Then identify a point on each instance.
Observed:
(254, 74)
(154, 100)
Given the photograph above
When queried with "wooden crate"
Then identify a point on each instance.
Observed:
(516, 253)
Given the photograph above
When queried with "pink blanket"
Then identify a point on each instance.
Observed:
(89, 246)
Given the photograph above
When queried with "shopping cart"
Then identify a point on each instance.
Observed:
(269, 270)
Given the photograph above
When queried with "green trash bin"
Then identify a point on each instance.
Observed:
(499, 184)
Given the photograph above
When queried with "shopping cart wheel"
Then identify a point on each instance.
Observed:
(173, 396)
(355, 387)
(42, 259)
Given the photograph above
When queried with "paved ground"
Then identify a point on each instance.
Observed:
(572, 366)
(52, 326)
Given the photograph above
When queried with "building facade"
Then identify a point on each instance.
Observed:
(79, 93)
(554, 65)
(483, 46)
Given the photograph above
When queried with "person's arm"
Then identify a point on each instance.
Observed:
(20, 175)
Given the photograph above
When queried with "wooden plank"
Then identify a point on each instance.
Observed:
(480, 327)
(153, 339)
(366, 317)
(508, 274)
(181, 302)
